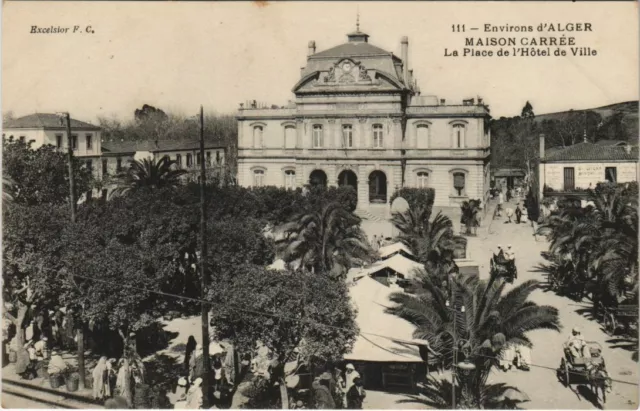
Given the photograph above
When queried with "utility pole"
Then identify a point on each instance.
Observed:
(203, 272)
(72, 201)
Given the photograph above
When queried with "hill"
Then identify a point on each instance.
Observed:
(628, 110)
(515, 143)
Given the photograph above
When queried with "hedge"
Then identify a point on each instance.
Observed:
(416, 197)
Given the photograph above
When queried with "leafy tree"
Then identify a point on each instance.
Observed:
(148, 174)
(150, 113)
(492, 320)
(31, 249)
(41, 176)
(527, 111)
(287, 312)
(328, 241)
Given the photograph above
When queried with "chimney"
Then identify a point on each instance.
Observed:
(301, 70)
(443, 101)
(312, 48)
(405, 59)
(541, 146)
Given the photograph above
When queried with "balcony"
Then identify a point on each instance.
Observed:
(365, 153)
(448, 110)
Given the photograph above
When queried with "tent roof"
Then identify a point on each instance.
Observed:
(398, 263)
(371, 299)
(391, 249)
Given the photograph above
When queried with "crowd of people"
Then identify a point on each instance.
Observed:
(334, 391)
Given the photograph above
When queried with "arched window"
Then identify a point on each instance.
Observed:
(179, 160)
(290, 179)
(422, 136)
(258, 178)
(289, 136)
(377, 136)
(258, 132)
(318, 137)
(422, 179)
(459, 135)
(459, 183)
(189, 160)
(347, 136)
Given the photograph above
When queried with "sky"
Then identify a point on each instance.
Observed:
(176, 56)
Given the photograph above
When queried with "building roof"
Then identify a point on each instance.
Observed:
(398, 263)
(371, 300)
(392, 249)
(508, 172)
(586, 151)
(122, 147)
(611, 143)
(46, 120)
(358, 49)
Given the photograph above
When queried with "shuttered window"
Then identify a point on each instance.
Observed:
(569, 178)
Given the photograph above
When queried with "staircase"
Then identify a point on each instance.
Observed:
(373, 212)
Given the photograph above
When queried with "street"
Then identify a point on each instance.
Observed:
(541, 384)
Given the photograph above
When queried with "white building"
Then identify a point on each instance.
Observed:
(358, 119)
(583, 165)
(45, 128)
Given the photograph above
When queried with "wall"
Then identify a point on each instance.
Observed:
(441, 134)
(585, 174)
(81, 151)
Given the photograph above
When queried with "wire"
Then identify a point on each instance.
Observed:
(273, 315)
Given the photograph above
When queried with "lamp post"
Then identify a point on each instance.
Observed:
(455, 311)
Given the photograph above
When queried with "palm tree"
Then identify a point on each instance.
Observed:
(600, 241)
(469, 218)
(148, 174)
(491, 321)
(327, 241)
(430, 241)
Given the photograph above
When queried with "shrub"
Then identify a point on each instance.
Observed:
(416, 197)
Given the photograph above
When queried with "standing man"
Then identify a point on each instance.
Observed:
(351, 375)
(518, 213)
(500, 202)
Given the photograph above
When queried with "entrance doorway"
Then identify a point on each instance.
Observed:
(318, 178)
(348, 178)
(377, 187)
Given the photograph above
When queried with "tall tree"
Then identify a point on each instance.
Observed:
(492, 320)
(329, 241)
(431, 240)
(298, 316)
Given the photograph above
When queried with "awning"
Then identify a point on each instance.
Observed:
(395, 248)
(371, 300)
(398, 263)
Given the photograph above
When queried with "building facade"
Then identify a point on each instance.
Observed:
(358, 119)
(108, 159)
(41, 129)
(583, 165)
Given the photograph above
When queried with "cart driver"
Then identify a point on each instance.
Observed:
(576, 343)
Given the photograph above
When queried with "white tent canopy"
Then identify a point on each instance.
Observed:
(371, 299)
(391, 249)
(398, 263)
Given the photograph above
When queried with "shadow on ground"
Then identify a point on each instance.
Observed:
(153, 339)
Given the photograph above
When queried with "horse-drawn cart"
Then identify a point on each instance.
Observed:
(588, 369)
(623, 316)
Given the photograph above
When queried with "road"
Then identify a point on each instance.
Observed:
(541, 384)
